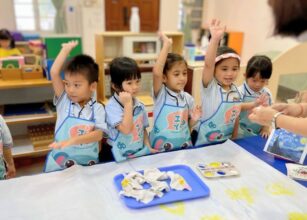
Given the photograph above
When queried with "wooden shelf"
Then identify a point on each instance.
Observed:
(111, 44)
(16, 84)
(23, 148)
(19, 119)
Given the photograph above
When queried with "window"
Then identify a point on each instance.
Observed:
(34, 15)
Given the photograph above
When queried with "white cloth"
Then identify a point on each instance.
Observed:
(178, 182)
(89, 192)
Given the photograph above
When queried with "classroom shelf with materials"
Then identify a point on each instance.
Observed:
(20, 118)
(143, 47)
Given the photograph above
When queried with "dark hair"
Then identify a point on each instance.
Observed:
(84, 65)
(223, 50)
(290, 16)
(122, 69)
(259, 64)
(171, 59)
(6, 35)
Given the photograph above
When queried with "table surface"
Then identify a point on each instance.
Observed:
(259, 192)
(255, 145)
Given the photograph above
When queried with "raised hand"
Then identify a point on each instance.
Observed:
(165, 39)
(216, 29)
(70, 45)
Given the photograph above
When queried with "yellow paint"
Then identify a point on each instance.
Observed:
(215, 164)
(241, 194)
(177, 208)
(181, 181)
(125, 183)
(211, 217)
(208, 174)
(278, 189)
(297, 216)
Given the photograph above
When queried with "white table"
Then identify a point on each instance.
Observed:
(260, 192)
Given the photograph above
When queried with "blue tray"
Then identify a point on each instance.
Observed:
(199, 188)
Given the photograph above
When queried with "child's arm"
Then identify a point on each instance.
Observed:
(217, 31)
(93, 136)
(56, 68)
(126, 125)
(265, 131)
(236, 129)
(195, 116)
(7, 154)
(261, 100)
(147, 143)
(159, 65)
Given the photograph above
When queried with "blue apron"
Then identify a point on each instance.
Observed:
(83, 154)
(127, 146)
(220, 125)
(171, 128)
(248, 128)
(2, 165)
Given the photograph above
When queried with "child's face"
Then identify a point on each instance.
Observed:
(177, 77)
(256, 83)
(5, 43)
(132, 86)
(78, 88)
(226, 72)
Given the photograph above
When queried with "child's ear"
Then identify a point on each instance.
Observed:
(164, 78)
(114, 87)
(93, 86)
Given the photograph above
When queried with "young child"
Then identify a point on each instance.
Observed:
(258, 72)
(174, 111)
(7, 167)
(80, 119)
(126, 116)
(7, 44)
(220, 97)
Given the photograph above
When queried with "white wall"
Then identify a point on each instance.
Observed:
(254, 18)
(169, 17)
(7, 18)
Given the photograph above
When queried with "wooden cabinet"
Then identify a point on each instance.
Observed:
(17, 124)
(111, 44)
(118, 13)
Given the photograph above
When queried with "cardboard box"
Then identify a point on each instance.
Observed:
(32, 72)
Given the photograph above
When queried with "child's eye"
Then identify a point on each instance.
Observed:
(77, 85)
(185, 73)
(138, 81)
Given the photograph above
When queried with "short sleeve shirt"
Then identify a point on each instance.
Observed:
(115, 114)
(88, 111)
(212, 98)
(167, 96)
(244, 90)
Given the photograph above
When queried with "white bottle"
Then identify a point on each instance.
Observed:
(135, 20)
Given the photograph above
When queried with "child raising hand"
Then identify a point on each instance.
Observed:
(174, 110)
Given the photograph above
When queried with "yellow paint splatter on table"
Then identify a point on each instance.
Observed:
(177, 208)
(241, 194)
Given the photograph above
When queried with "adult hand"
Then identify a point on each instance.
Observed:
(262, 115)
(294, 110)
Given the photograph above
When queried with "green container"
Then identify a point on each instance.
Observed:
(54, 46)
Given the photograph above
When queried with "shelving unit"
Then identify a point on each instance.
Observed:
(23, 147)
(111, 44)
